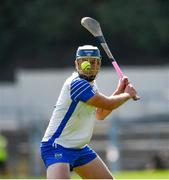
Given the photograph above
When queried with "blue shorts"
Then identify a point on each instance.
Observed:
(59, 154)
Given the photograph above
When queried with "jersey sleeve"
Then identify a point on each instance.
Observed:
(81, 90)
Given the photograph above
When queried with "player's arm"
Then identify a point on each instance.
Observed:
(112, 102)
(101, 113)
(108, 102)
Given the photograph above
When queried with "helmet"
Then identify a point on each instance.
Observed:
(91, 54)
(89, 51)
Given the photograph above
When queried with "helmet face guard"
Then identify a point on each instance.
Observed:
(91, 55)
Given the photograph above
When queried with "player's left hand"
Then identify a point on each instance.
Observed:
(123, 82)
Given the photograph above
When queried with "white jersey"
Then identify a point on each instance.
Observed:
(72, 121)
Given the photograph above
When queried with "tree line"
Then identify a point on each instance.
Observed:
(46, 33)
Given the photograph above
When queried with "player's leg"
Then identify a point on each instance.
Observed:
(57, 161)
(58, 171)
(95, 169)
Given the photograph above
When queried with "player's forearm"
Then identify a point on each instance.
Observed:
(101, 114)
(108, 103)
(119, 99)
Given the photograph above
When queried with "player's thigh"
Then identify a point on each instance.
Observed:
(58, 171)
(96, 169)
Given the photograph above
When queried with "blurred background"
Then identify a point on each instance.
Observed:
(38, 42)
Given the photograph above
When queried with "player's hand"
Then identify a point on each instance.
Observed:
(131, 91)
(123, 82)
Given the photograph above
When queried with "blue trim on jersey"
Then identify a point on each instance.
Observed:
(81, 90)
(63, 122)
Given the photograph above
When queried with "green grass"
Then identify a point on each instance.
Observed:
(146, 174)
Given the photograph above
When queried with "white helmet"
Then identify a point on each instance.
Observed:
(91, 56)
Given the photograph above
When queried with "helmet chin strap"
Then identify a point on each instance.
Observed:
(90, 79)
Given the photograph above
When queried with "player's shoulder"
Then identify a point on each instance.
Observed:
(74, 79)
(79, 82)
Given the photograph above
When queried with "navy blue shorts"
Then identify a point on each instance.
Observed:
(59, 154)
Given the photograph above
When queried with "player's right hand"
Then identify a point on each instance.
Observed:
(130, 90)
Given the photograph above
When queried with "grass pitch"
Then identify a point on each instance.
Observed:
(146, 174)
(133, 175)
